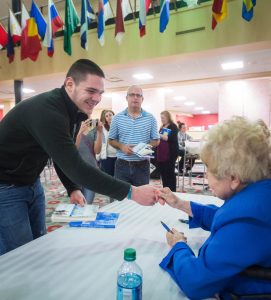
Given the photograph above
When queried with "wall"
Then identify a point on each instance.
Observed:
(154, 45)
(198, 120)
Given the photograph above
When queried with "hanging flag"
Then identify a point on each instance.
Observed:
(164, 14)
(10, 46)
(15, 29)
(191, 3)
(39, 19)
(30, 42)
(119, 28)
(143, 10)
(100, 27)
(107, 10)
(219, 12)
(3, 37)
(54, 22)
(126, 8)
(71, 22)
(247, 9)
(87, 15)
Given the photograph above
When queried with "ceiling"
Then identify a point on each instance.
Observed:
(195, 76)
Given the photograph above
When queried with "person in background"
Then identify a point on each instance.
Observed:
(45, 126)
(240, 228)
(128, 128)
(88, 141)
(108, 155)
(167, 151)
(182, 138)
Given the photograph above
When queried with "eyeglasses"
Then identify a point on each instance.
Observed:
(134, 95)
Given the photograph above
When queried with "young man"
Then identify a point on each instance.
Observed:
(128, 128)
(41, 127)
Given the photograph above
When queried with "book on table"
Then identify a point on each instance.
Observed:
(72, 212)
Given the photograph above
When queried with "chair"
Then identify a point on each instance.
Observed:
(257, 273)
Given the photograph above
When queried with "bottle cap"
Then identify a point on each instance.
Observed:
(129, 254)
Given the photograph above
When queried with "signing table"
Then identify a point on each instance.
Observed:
(82, 263)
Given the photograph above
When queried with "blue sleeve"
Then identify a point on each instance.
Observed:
(154, 130)
(225, 254)
(202, 215)
(113, 131)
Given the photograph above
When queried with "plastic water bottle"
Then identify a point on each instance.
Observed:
(129, 285)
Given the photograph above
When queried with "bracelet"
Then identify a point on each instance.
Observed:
(129, 196)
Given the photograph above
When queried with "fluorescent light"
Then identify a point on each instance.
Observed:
(179, 98)
(232, 65)
(205, 112)
(165, 90)
(108, 95)
(189, 103)
(198, 108)
(143, 76)
(28, 91)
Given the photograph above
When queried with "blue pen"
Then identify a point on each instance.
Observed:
(184, 221)
(166, 227)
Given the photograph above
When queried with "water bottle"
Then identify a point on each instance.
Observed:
(129, 285)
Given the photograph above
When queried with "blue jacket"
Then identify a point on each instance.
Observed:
(240, 237)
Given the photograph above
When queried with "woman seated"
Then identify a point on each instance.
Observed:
(237, 156)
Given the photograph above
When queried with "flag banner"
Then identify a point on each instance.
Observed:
(39, 19)
(100, 27)
(71, 22)
(164, 14)
(87, 15)
(3, 36)
(219, 10)
(247, 9)
(15, 28)
(119, 27)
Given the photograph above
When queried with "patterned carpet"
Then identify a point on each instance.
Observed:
(55, 193)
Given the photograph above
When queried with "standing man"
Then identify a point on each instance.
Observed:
(128, 128)
(42, 127)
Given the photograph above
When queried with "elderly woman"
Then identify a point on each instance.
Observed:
(237, 156)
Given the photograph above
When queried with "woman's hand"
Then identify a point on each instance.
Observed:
(175, 237)
(169, 197)
(100, 127)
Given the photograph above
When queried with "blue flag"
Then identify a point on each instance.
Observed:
(164, 14)
(37, 15)
(247, 9)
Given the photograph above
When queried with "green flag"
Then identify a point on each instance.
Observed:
(71, 22)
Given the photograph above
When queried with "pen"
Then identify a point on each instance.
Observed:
(166, 227)
(183, 221)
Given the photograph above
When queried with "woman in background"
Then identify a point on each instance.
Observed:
(108, 154)
(167, 151)
(88, 142)
(237, 154)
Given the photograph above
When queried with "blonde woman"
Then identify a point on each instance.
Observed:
(237, 155)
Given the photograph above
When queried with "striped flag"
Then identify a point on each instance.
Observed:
(40, 21)
(219, 9)
(3, 37)
(119, 28)
(71, 22)
(107, 10)
(30, 42)
(87, 15)
(100, 27)
(164, 14)
(247, 9)
(54, 22)
(143, 10)
(15, 29)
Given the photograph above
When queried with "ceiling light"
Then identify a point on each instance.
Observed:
(143, 76)
(205, 112)
(198, 108)
(28, 91)
(166, 90)
(232, 65)
(189, 103)
(108, 95)
(179, 98)
(2, 106)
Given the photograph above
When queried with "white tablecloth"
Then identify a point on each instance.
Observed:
(82, 263)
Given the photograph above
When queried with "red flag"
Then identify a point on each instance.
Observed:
(3, 36)
(30, 42)
(219, 9)
(119, 28)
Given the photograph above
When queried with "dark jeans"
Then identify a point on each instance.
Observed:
(22, 215)
(108, 165)
(167, 171)
(188, 164)
(135, 172)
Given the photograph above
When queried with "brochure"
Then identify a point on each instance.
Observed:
(143, 150)
(103, 220)
(165, 131)
(72, 212)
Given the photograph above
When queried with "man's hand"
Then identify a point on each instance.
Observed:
(127, 149)
(175, 237)
(77, 197)
(146, 195)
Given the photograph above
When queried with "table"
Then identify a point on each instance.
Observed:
(82, 263)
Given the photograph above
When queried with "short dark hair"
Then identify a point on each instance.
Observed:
(181, 125)
(81, 68)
